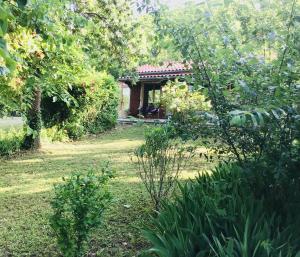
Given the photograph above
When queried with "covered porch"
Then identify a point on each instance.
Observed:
(145, 94)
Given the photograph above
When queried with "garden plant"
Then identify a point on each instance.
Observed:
(78, 206)
(248, 72)
(160, 161)
(236, 103)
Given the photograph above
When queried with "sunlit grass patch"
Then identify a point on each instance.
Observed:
(26, 189)
(11, 123)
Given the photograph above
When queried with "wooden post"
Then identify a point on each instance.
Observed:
(153, 95)
(135, 93)
(142, 95)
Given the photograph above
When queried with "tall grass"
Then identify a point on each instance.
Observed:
(219, 215)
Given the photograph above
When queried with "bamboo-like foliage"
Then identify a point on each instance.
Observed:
(218, 215)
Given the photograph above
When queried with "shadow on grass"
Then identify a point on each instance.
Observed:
(25, 229)
(26, 189)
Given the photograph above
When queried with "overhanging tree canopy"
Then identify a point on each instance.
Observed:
(57, 43)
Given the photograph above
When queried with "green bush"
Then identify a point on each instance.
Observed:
(160, 160)
(11, 142)
(55, 134)
(102, 112)
(74, 130)
(4, 110)
(221, 214)
(92, 106)
(77, 209)
(190, 125)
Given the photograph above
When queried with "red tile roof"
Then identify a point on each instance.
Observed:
(167, 66)
(167, 70)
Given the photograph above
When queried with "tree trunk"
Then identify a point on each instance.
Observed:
(34, 122)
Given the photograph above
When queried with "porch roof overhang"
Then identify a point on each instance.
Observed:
(148, 73)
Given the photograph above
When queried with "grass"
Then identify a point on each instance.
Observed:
(26, 189)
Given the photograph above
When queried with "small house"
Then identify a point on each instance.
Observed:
(142, 97)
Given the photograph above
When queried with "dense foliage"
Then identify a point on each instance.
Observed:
(56, 45)
(93, 109)
(179, 98)
(155, 49)
(248, 70)
(186, 108)
(231, 212)
(102, 111)
(11, 142)
(245, 58)
(6, 62)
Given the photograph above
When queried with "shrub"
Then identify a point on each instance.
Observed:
(278, 185)
(55, 134)
(4, 110)
(77, 209)
(92, 106)
(178, 98)
(102, 113)
(160, 161)
(74, 130)
(185, 107)
(11, 142)
(190, 125)
(221, 214)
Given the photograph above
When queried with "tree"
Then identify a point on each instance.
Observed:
(245, 57)
(56, 43)
(6, 60)
(7, 64)
(155, 49)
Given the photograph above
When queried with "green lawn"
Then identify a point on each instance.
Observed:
(26, 189)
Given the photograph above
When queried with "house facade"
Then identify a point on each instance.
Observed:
(143, 96)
